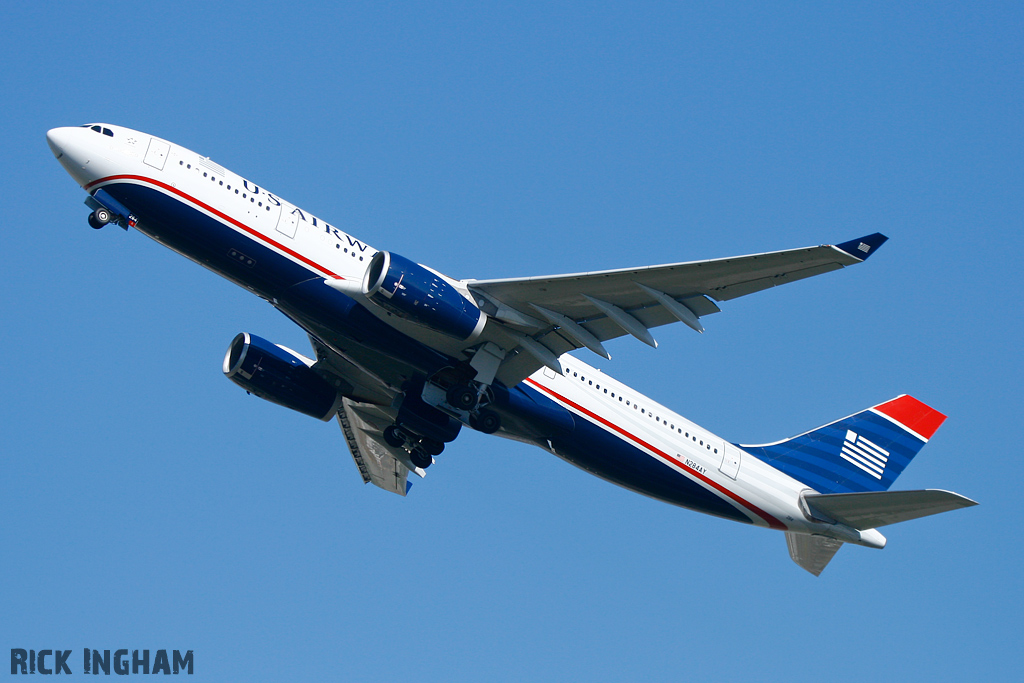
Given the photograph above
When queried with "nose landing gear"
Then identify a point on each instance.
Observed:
(99, 218)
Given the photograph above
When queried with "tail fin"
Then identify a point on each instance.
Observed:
(862, 452)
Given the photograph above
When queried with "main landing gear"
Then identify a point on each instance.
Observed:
(421, 450)
(465, 400)
(462, 397)
(485, 421)
(468, 400)
(465, 391)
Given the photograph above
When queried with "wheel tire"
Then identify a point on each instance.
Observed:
(432, 447)
(94, 221)
(461, 397)
(394, 437)
(486, 421)
(421, 459)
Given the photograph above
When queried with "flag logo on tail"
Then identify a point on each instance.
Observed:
(864, 454)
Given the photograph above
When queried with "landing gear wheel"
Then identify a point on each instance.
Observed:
(461, 397)
(99, 218)
(485, 421)
(420, 459)
(432, 447)
(393, 437)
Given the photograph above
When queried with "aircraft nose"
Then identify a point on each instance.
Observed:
(57, 139)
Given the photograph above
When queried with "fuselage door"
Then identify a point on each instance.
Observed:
(156, 155)
(288, 223)
(731, 457)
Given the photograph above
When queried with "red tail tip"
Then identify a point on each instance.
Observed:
(913, 415)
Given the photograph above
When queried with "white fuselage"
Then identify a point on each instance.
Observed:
(765, 495)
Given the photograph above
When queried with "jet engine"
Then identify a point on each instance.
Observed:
(420, 295)
(279, 375)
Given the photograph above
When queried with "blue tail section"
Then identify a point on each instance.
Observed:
(863, 452)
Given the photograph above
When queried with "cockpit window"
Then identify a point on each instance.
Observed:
(99, 129)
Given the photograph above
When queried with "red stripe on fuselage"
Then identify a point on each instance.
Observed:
(772, 521)
(223, 216)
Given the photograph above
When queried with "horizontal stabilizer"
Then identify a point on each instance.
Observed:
(812, 552)
(880, 508)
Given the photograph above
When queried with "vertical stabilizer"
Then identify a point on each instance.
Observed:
(862, 452)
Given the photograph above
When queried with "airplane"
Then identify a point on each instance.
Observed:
(405, 357)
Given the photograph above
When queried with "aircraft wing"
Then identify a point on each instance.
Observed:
(565, 312)
(386, 466)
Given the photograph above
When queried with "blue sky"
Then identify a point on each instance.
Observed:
(149, 503)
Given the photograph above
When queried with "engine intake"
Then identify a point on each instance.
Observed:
(279, 375)
(420, 295)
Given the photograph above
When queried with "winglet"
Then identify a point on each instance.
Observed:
(863, 247)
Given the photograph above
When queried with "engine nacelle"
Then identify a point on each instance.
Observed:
(280, 375)
(420, 295)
